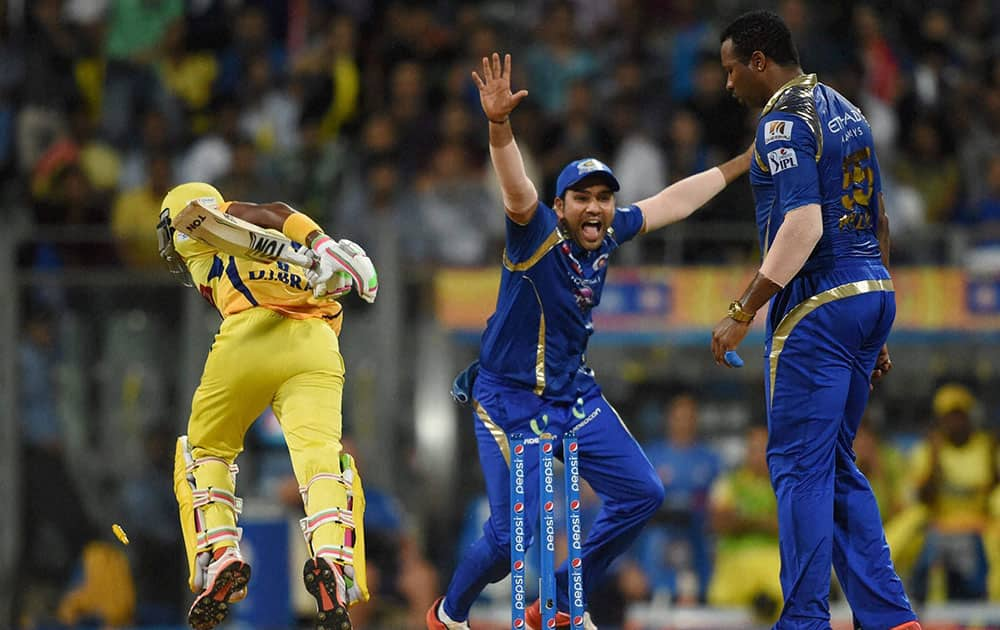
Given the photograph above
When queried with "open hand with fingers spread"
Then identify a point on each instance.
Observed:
(494, 89)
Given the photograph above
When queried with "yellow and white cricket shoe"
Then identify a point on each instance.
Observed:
(225, 581)
(325, 582)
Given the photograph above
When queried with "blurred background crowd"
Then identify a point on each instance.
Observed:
(362, 114)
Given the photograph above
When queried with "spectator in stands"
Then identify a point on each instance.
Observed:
(270, 112)
(675, 549)
(981, 141)
(155, 138)
(556, 61)
(690, 34)
(984, 214)
(331, 76)
(55, 528)
(458, 223)
(149, 508)
(247, 178)
(65, 197)
(136, 243)
(929, 166)
(745, 517)
(100, 162)
(882, 71)
(903, 517)
(251, 38)
(210, 156)
(408, 105)
(818, 51)
(187, 74)
(722, 121)
(136, 32)
(377, 143)
(638, 157)
(48, 90)
(955, 470)
(883, 466)
(576, 130)
(688, 152)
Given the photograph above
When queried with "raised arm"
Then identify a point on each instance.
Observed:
(678, 200)
(520, 198)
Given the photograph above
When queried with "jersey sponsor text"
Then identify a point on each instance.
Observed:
(781, 159)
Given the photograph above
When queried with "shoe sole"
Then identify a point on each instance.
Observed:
(212, 607)
(322, 585)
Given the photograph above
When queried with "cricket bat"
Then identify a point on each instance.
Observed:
(235, 236)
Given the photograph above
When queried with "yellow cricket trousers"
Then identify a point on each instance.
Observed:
(261, 358)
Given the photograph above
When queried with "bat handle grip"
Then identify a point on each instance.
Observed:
(304, 259)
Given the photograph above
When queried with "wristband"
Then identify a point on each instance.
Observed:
(298, 227)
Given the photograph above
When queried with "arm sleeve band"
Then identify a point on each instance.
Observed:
(518, 191)
(298, 227)
(677, 201)
(794, 242)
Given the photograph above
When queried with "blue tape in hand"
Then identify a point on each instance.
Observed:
(732, 359)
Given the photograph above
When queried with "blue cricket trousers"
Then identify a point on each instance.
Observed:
(821, 349)
(611, 461)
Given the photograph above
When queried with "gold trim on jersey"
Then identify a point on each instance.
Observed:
(498, 434)
(540, 346)
(803, 308)
(803, 80)
(540, 357)
(796, 98)
(761, 163)
(553, 239)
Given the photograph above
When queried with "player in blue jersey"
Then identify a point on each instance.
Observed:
(825, 238)
(532, 376)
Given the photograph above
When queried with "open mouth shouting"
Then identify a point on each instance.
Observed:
(592, 230)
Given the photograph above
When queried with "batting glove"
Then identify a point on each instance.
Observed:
(339, 284)
(346, 257)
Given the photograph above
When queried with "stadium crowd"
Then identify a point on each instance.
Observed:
(345, 108)
(362, 114)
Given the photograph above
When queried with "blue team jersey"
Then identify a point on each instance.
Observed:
(814, 146)
(538, 334)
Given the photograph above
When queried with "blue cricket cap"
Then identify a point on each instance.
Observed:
(579, 169)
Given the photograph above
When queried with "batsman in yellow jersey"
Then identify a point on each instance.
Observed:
(277, 345)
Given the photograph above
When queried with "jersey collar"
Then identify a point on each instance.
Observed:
(805, 80)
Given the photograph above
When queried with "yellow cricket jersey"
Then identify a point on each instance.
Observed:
(232, 284)
(966, 479)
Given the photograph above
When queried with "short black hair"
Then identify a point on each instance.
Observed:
(764, 31)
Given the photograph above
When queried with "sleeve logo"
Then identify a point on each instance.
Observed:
(781, 159)
(778, 130)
